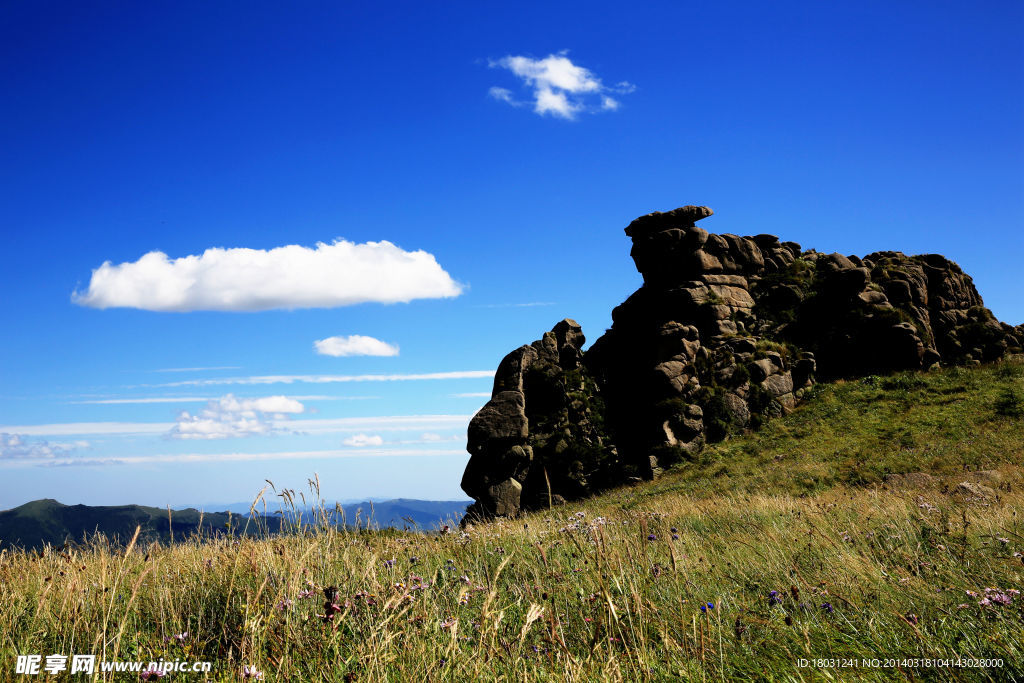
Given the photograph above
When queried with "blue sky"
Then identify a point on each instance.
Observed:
(499, 150)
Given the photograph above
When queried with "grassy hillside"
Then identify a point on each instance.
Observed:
(796, 542)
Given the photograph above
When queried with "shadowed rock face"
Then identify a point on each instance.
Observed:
(725, 332)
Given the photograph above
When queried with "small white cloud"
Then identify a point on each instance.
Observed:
(560, 88)
(431, 437)
(363, 440)
(228, 417)
(339, 274)
(354, 345)
(474, 394)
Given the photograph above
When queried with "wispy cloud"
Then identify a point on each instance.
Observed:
(90, 428)
(326, 379)
(363, 440)
(392, 423)
(212, 367)
(558, 86)
(229, 416)
(144, 400)
(504, 95)
(354, 345)
(473, 394)
(528, 304)
(338, 274)
(17, 447)
(387, 423)
(189, 458)
(201, 399)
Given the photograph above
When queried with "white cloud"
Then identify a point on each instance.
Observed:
(363, 440)
(354, 345)
(326, 379)
(473, 394)
(554, 71)
(560, 88)
(231, 417)
(17, 447)
(339, 274)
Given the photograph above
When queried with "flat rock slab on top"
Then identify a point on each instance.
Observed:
(683, 217)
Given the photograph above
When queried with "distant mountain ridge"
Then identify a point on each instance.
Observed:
(49, 521)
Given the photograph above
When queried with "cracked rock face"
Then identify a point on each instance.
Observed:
(725, 332)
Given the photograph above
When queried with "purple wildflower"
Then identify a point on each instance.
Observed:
(652, 537)
(774, 599)
(251, 673)
(827, 606)
(151, 674)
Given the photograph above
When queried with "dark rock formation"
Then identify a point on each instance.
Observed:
(725, 332)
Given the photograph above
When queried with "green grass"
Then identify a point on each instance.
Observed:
(583, 592)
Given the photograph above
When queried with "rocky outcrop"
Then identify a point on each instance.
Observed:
(725, 332)
(540, 439)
